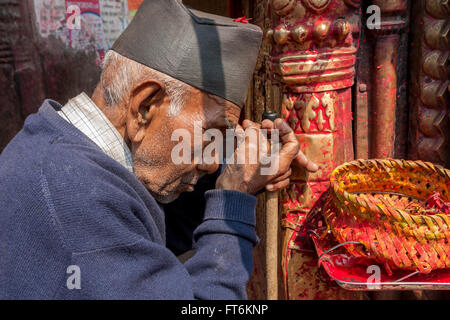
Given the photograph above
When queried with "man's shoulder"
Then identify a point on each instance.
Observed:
(85, 168)
(71, 153)
(41, 130)
(90, 191)
(93, 200)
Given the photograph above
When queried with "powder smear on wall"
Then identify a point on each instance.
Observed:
(101, 22)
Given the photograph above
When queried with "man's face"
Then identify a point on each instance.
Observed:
(152, 158)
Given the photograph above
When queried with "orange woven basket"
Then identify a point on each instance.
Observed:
(380, 203)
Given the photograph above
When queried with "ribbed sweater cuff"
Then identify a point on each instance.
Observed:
(230, 205)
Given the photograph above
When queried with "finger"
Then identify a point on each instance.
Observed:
(238, 129)
(303, 162)
(285, 176)
(285, 131)
(287, 135)
(240, 136)
(278, 186)
(267, 124)
(290, 146)
(262, 138)
(250, 124)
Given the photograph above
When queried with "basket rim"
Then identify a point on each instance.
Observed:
(351, 197)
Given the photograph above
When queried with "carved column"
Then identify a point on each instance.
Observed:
(308, 65)
(429, 134)
(429, 116)
(380, 95)
(385, 80)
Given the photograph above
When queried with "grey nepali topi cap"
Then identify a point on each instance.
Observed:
(209, 52)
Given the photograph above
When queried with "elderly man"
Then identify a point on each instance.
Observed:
(82, 184)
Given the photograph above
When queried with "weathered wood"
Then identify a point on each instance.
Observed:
(272, 240)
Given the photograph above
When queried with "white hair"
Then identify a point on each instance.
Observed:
(120, 75)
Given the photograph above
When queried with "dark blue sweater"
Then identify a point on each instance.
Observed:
(65, 203)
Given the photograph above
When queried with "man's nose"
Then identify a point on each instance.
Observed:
(208, 168)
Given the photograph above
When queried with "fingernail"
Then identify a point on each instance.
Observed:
(239, 130)
(285, 125)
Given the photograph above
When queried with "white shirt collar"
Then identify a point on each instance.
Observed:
(82, 112)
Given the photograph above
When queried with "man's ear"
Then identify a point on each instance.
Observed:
(145, 99)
